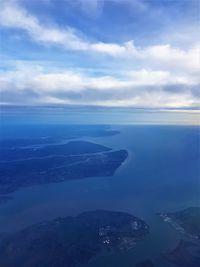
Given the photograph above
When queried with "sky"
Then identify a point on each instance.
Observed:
(112, 53)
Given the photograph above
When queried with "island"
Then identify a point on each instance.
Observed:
(185, 254)
(186, 221)
(146, 263)
(71, 241)
(58, 163)
(40, 135)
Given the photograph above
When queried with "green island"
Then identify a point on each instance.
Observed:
(57, 163)
(186, 221)
(71, 241)
(146, 263)
(185, 254)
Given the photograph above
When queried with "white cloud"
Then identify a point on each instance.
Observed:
(152, 100)
(166, 76)
(13, 16)
(174, 57)
(162, 56)
(92, 8)
(144, 88)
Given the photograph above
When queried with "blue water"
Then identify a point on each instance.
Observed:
(162, 173)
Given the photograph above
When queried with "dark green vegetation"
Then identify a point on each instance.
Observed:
(71, 241)
(186, 254)
(57, 163)
(188, 219)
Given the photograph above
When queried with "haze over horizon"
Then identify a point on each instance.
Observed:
(110, 53)
(99, 133)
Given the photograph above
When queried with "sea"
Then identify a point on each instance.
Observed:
(161, 174)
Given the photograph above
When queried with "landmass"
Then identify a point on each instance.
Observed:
(71, 241)
(58, 163)
(70, 148)
(47, 135)
(186, 221)
(185, 254)
(146, 263)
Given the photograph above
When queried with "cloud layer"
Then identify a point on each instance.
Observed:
(157, 75)
(143, 88)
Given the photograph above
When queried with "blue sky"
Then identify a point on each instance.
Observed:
(127, 53)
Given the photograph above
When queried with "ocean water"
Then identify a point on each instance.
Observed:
(161, 174)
